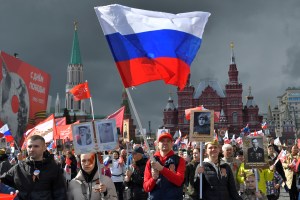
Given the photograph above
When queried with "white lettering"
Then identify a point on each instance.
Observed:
(37, 88)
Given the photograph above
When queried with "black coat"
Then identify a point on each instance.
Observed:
(137, 180)
(279, 168)
(49, 186)
(189, 179)
(215, 186)
(256, 156)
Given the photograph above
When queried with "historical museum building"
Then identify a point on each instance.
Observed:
(227, 102)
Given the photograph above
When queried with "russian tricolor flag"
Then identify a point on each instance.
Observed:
(7, 134)
(149, 46)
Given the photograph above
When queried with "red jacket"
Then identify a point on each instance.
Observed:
(176, 178)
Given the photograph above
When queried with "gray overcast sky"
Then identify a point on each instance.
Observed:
(265, 33)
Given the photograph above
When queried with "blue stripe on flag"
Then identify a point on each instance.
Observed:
(154, 44)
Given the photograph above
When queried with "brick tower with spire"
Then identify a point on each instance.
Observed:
(74, 77)
(127, 114)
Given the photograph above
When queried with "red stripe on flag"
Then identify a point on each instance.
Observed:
(142, 70)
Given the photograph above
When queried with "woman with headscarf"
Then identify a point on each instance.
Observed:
(87, 186)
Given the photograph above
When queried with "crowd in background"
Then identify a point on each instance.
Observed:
(41, 173)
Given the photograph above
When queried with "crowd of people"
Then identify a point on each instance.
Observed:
(140, 175)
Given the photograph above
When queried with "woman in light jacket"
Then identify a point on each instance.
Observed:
(86, 185)
(117, 170)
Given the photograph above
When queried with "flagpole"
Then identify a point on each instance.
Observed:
(256, 180)
(17, 145)
(97, 157)
(139, 123)
(92, 108)
(201, 164)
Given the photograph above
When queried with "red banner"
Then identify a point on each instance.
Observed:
(118, 116)
(24, 93)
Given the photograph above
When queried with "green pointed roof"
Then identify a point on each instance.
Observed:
(75, 54)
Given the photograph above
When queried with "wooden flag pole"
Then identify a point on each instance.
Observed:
(139, 123)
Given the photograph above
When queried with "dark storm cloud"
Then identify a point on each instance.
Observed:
(292, 68)
(265, 33)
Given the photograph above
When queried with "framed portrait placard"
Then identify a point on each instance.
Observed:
(255, 150)
(59, 145)
(126, 135)
(202, 125)
(106, 134)
(83, 138)
(2, 143)
(160, 131)
(151, 143)
(138, 132)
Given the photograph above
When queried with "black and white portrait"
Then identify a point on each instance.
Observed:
(201, 125)
(126, 135)
(256, 151)
(202, 122)
(83, 138)
(106, 134)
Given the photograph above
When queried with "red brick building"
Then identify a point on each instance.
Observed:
(229, 102)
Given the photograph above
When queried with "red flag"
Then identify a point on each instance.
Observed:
(68, 161)
(60, 121)
(81, 91)
(7, 196)
(118, 116)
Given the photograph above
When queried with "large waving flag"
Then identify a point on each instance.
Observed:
(7, 134)
(81, 91)
(149, 46)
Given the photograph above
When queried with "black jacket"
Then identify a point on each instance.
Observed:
(189, 179)
(49, 186)
(279, 168)
(215, 186)
(137, 180)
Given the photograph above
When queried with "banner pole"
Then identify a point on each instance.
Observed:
(139, 123)
(92, 107)
(256, 180)
(17, 145)
(201, 164)
(127, 154)
(97, 159)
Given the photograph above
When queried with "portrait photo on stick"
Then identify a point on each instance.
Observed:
(83, 137)
(106, 134)
(201, 125)
(255, 151)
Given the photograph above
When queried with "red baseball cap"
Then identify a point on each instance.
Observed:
(165, 135)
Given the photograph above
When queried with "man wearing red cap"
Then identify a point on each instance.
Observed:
(164, 176)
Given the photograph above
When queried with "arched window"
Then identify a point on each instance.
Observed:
(234, 117)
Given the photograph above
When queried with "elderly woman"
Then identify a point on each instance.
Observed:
(87, 186)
